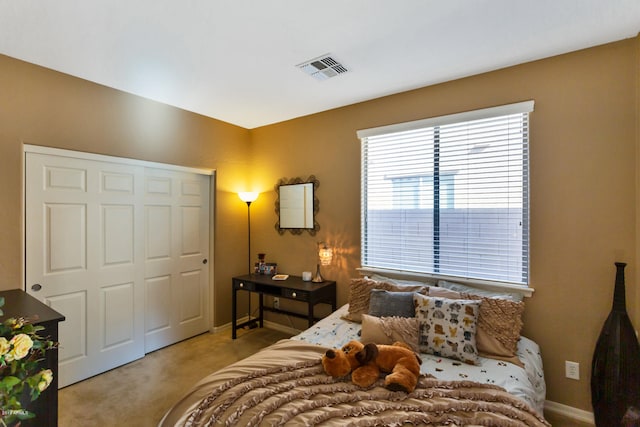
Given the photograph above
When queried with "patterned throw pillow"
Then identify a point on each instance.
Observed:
(447, 327)
(499, 325)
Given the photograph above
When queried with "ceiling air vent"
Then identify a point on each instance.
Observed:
(323, 67)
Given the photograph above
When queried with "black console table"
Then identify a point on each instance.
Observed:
(18, 303)
(293, 288)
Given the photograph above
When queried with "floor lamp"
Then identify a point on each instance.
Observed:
(248, 198)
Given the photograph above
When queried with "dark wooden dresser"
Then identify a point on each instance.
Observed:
(18, 303)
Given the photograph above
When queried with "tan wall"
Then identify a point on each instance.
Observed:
(42, 107)
(583, 192)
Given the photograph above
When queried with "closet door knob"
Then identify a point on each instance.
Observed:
(204, 261)
(36, 287)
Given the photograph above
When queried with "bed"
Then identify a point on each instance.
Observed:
(284, 384)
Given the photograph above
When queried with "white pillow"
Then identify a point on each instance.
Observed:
(459, 287)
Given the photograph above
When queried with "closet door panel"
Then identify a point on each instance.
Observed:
(121, 249)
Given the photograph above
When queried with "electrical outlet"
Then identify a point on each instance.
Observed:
(572, 370)
(276, 302)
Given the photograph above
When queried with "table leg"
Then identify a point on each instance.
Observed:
(233, 313)
(310, 314)
(261, 310)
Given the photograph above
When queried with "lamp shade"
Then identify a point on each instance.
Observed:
(248, 196)
(326, 255)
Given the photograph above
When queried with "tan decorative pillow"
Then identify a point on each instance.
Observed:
(499, 327)
(499, 324)
(360, 295)
(387, 330)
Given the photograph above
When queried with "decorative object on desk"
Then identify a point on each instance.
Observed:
(270, 268)
(21, 348)
(615, 369)
(297, 205)
(280, 277)
(248, 197)
(263, 267)
(325, 255)
(259, 266)
(306, 276)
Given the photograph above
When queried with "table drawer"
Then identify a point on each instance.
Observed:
(295, 294)
(246, 286)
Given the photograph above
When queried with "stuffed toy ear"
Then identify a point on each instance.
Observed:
(367, 354)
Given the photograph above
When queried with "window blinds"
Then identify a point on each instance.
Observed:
(449, 196)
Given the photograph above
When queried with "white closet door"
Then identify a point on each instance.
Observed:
(120, 249)
(83, 220)
(176, 256)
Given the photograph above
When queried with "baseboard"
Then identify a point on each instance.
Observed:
(267, 324)
(227, 326)
(569, 412)
(215, 329)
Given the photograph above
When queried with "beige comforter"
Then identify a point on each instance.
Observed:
(284, 384)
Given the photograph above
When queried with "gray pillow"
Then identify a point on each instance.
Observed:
(386, 304)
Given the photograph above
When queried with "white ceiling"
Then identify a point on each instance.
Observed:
(235, 60)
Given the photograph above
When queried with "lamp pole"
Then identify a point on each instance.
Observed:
(248, 198)
(249, 233)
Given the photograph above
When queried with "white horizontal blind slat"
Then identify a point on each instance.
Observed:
(450, 198)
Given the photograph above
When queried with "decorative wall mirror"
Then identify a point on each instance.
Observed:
(297, 205)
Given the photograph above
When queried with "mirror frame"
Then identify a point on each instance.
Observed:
(316, 204)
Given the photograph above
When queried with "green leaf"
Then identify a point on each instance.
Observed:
(9, 382)
(25, 415)
(35, 393)
(27, 329)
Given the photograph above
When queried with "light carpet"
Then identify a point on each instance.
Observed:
(139, 393)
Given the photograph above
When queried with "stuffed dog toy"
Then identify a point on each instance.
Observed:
(366, 362)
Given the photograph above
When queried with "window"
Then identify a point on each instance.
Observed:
(449, 196)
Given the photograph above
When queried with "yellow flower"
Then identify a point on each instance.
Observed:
(21, 344)
(15, 323)
(4, 346)
(46, 377)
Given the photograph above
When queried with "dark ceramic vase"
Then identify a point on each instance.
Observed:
(615, 369)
